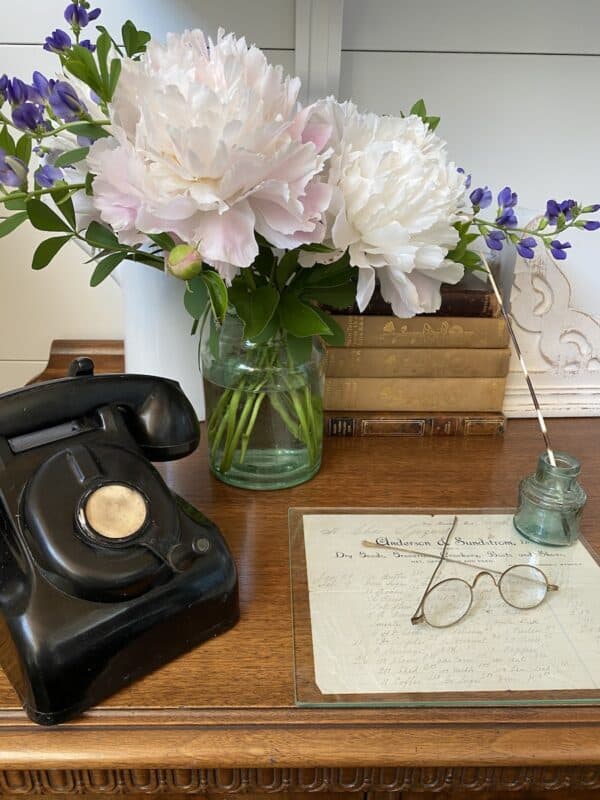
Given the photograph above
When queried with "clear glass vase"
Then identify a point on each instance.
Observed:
(551, 501)
(264, 406)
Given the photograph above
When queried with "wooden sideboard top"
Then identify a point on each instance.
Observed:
(230, 702)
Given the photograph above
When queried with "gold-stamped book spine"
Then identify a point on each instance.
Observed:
(406, 362)
(414, 394)
(475, 332)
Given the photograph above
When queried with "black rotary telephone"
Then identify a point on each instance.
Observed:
(105, 574)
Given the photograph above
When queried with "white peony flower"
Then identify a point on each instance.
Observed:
(395, 199)
(209, 145)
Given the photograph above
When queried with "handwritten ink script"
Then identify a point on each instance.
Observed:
(362, 600)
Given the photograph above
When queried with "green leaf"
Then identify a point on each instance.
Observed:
(299, 318)
(268, 332)
(337, 296)
(8, 225)
(7, 143)
(141, 258)
(315, 247)
(89, 180)
(62, 198)
(433, 122)
(79, 69)
(256, 308)
(328, 275)
(217, 292)
(98, 256)
(286, 267)
(84, 56)
(17, 204)
(71, 157)
(115, 44)
(23, 149)
(105, 267)
(471, 259)
(300, 349)
(99, 236)
(102, 50)
(43, 218)
(264, 262)
(196, 298)
(113, 80)
(89, 130)
(419, 109)
(163, 240)
(46, 251)
(337, 337)
(142, 40)
(135, 41)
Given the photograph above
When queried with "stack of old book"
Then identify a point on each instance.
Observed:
(441, 374)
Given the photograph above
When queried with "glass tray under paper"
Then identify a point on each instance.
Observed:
(360, 649)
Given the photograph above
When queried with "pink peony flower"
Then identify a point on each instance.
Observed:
(209, 145)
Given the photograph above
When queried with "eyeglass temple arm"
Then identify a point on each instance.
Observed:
(419, 616)
(552, 587)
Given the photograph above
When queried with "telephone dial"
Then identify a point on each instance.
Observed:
(105, 574)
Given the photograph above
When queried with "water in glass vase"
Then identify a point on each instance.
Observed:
(263, 408)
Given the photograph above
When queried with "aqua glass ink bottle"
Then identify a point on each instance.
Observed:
(551, 501)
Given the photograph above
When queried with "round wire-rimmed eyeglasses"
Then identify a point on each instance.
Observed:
(521, 586)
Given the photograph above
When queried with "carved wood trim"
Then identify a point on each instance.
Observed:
(560, 343)
(272, 781)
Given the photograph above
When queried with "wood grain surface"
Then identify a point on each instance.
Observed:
(230, 702)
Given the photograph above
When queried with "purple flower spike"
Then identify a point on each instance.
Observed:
(591, 225)
(41, 84)
(552, 211)
(586, 210)
(507, 198)
(17, 91)
(526, 246)
(47, 176)
(65, 102)
(558, 249)
(481, 197)
(494, 240)
(92, 15)
(567, 207)
(467, 178)
(507, 218)
(3, 88)
(76, 15)
(13, 172)
(88, 45)
(28, 116)
(58, 42)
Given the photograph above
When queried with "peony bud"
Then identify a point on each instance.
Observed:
(184, 262)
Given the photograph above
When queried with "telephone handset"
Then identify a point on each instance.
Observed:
(157, 412)
(104, 573)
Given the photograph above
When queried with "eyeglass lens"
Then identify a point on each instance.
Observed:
(523, 586)
(447, 602)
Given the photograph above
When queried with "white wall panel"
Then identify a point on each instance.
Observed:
(54, 303)
(515, 26)
(524, 120)
(14, 374)
(268, 23)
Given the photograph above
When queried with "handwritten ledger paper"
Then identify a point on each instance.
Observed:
(361, 601)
